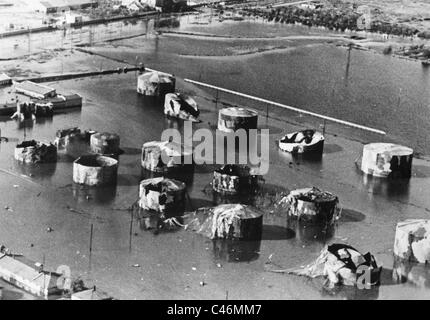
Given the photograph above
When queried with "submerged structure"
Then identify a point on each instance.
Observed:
(28, 275)
(33, 151)
(95, 170)
(228, 221)
(29, 110)
(156, 84)
(165, 156)
(181, 106)
(232, 119)
(303, 142)
(412, 240)
(162, 195)
(387, 160)
(105, 143)
(74, 141)
(341, 264)
(233, 179)
(312, 205)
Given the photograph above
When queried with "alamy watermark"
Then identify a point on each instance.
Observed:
(239, 147)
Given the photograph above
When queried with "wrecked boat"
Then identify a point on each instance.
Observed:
(181, 106)
(341, 264)
(33, 151)
(387, 160)
(303, 142)
(312, 205)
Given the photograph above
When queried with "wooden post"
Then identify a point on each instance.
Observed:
(91, 238)
(216, 99)
(131, 230)
(267, 111)
(324, 127)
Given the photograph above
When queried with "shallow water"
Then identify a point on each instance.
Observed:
(172, 265)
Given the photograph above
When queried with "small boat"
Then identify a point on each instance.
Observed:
(306, 141)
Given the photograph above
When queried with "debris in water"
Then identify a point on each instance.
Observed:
(341, 264)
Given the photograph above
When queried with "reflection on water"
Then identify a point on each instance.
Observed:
(411, 272)
(306, 232)
(235, 250)
(391, 188)
(38, 170)
(98, 195)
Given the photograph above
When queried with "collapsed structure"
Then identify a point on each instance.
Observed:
(32, 152)
(155, 84)
(162, 195)
(228, 221)
(303, 142)
(233, 179)
(232, 119)
(312, 205)
(387, 160)
(341, 264)
(412, 240)
(165, 156)
(73, 141)
(29, 110)
(181, 106)
(105, 143)
(95, 170)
